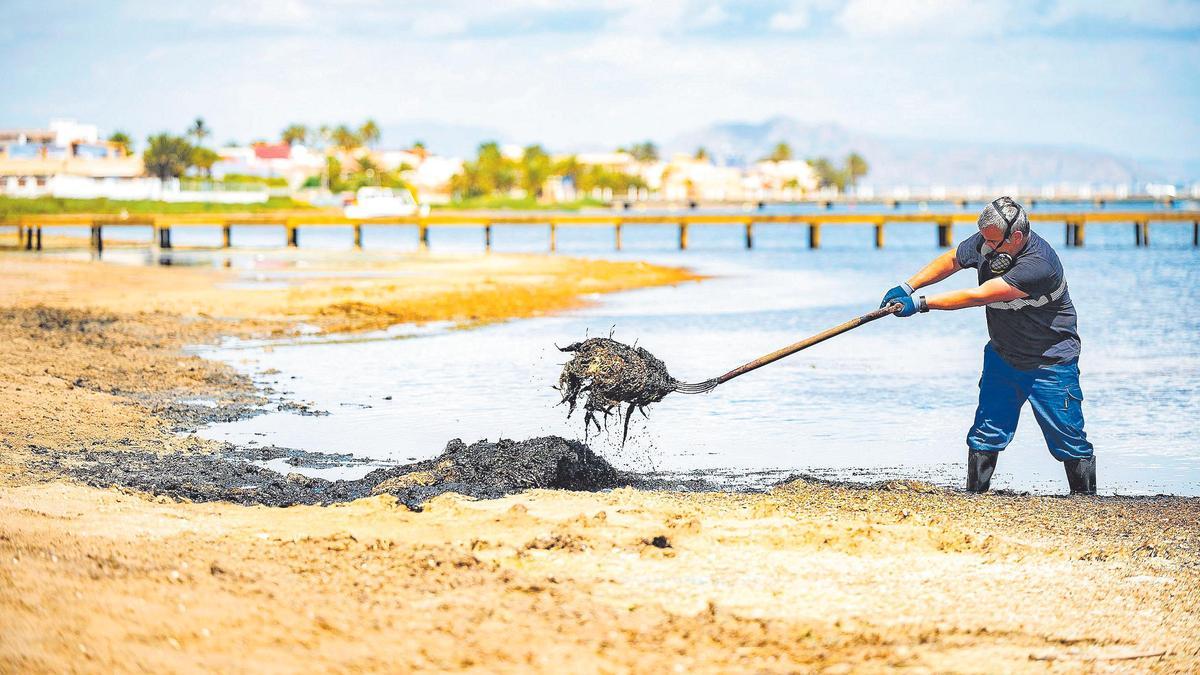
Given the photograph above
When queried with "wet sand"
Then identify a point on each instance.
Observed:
(807, 577)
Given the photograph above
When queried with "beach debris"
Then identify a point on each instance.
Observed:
(488, 470)
(484, 470)
(607, 374)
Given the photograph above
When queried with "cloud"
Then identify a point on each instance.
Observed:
(1154, 14)
(439, 23)
(945, 18)
(573, 73)
(789, 21)
(713, 15)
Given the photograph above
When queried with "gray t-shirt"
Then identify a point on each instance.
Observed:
(1038, 330)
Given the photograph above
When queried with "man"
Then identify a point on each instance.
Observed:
(1034, 349)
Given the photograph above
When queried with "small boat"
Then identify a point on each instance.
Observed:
(377, 202)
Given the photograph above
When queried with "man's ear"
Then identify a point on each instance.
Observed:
(1017, 239)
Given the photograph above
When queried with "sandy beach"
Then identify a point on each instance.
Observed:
(808, 577)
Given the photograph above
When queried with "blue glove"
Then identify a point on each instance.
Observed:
(910, 305)
(901, 291)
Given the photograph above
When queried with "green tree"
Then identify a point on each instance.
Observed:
(295, 133)
(781, 153)
(646, 151)
(123, 140)
(369, 133)
(536, 167)
(856, 167)
(345, 139)
(167, 156)
(827, 174)
(333, 174)
(701, 153)
(203, 159)
(199, 131)
(489, 173)
(367, 172)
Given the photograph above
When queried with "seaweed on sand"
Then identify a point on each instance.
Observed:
(483, 470)
(608, 373)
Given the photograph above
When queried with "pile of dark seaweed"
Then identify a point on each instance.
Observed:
(608, 373)
(483, 470)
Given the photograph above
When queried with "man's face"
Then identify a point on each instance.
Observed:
(993, 238)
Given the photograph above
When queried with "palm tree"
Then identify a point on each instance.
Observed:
(644, 152)
(702, 153)
(345, 139)
(122, 139)
(856, 167)
(369, 132)
(828, 175)
(203, 159)
(781, 153)
(199, 131)
(294, 133)
(167, 156)
(535, 169)
(366, 165)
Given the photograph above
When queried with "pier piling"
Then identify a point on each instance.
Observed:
(28, 229)
(945, 234)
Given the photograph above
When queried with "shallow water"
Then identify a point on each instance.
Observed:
(891, 399)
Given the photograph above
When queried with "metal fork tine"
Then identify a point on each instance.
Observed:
(696, 387)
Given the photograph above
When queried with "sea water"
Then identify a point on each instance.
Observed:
(891, 399)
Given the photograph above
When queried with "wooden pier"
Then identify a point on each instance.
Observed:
(29, 228)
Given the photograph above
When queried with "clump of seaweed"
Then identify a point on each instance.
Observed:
(609, 373)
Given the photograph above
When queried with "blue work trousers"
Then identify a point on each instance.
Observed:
(1052, 391)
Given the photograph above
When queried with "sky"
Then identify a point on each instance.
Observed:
(1117, 76)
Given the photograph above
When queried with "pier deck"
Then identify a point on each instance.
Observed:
(29, 228)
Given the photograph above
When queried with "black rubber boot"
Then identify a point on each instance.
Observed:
(980, 466)
(1081, 475)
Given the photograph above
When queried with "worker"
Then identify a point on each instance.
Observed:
(1033, 353)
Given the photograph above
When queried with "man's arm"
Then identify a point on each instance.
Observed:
(942, 266)
(992, 290)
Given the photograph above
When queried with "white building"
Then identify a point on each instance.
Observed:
(66, 159)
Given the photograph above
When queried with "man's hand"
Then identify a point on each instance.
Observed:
(894, 295)
(910, 305)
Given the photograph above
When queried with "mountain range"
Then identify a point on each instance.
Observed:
(901, 161)
(893, 161)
